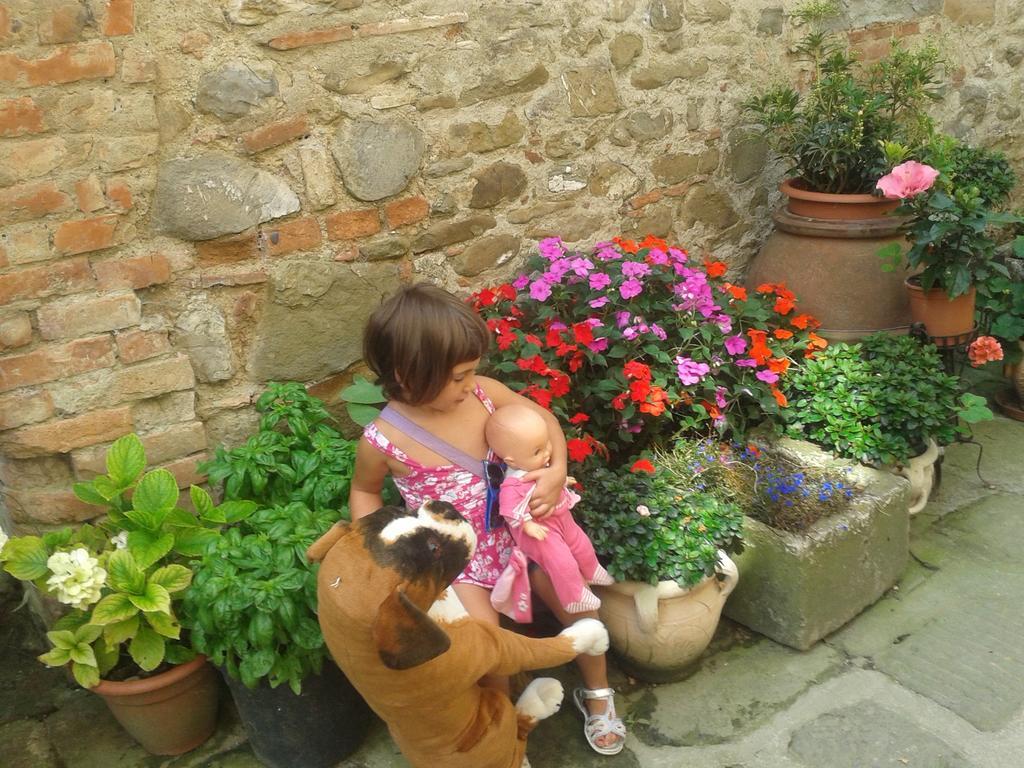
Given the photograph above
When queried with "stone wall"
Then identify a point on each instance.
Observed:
(201, 195)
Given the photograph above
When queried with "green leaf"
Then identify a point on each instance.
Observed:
(156, 493)
(147, 547)
(974, 409)
(125, 574)
(194, 542)
(164, 625)
(56, 657)
(86, 676)
(363, 392)
(256, 665)
(112, 609)
(87, 492)
(106, 656)
(361, 414)
(236, 511)
(178, 654)
(125, 460)
(25, 558)
(88, 633)
(154, 598)
(173, 578)
(201, 501)
(119, 631)
(62, 638)
(106, 487)
(147, 649)
(82, 654)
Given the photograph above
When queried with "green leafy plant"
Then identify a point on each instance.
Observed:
(123, 576)
(1001, 304)
(363, 400)
(832, 136)
(877, 402)
(252, 604)
(652, 525)
(295, 456)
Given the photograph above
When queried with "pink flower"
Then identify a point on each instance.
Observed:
(598, 303)
(635, 268)
(622, 319)
(984, 349)
(690, 371)
(540, 290)
(631, 288)
(659, 332)
(581, 266)
(720, 400)
(521, 282)
(768, 377)
(907, 180)
(747, 362)
(735, 345)
(550, 248)
(658, 256)
(599, 281)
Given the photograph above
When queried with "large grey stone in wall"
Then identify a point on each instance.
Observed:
(497, 182)
(591, 91)
(707, 11)
(377, 159)
(310, 324)
(486, 253)
(664, 72)
(229, 92)
(449, 232)
(709, 205)
(201, 332)
(213, 194)
(665, 15)
(619, 10)
(748, 152)
(641, 127)
(861, 13)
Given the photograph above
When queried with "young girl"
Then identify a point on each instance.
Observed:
(425, 345)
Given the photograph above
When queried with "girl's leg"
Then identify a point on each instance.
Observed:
(593, 669)
(477, 602)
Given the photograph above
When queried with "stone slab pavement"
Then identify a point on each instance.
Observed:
(931, 676)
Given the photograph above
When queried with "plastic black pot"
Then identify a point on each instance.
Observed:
(317, 729)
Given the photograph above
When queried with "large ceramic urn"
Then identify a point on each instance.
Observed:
(825, 249)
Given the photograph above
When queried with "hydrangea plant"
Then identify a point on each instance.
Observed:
(122, 576)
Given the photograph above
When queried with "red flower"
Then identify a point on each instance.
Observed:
(715, 268)
(779, 398)
(738, 292)
(628, 246)
(506, 291)
(539, 395)
(559, 384)
(642, 465)
(804, 321)
(505, 340)
(656, 403)
(484, 298)
(579, 418)
(583, 332)
(778, 365)
(619, 401)
(654, 242)
(784, 305)
(766, 288)
(782, 333)
(554, 337)
(576, 362)
(578, 449)
(984, 349)
(565, 349)
(639, 389)
(634, 369)
(532, 339)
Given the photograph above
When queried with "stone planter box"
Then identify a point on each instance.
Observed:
(799, 587)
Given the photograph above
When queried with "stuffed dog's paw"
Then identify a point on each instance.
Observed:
(588, 636)
(541, 698)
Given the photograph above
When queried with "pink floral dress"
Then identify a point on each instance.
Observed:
(464, 491)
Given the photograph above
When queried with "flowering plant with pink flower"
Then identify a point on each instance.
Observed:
(631, 342)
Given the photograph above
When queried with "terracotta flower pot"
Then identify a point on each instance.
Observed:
(944, 318)
(659, 632)
(170, 713)
(825, 249)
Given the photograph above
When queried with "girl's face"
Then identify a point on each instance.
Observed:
(459, 387)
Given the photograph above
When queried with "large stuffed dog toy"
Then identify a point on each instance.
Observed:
(417, 658)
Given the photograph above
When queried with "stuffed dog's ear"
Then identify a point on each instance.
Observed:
(406, 636)
(318, 549)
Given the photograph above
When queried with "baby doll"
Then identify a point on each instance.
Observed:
(519, 437)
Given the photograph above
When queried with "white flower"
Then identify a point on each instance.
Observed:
(77, 578)
(3, 539)
(121, 540)
(643, 511)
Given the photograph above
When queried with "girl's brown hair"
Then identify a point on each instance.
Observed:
(415, 338)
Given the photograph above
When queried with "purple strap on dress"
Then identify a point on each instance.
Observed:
(431, 441)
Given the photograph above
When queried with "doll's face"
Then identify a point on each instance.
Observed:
(527, 447)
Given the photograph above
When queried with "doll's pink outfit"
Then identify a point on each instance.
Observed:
(464, 491)
(566, 554)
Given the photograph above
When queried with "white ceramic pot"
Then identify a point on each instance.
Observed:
(660, 631)
(920, 471)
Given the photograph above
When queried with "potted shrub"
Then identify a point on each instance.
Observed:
(252, 610)
(831, 136)
(824, 538)
(666, 545)
(886, 402)
(123, 579)
(297, 470)
(1001, 308)
(951, 223)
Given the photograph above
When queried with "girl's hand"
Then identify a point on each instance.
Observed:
(550, 482)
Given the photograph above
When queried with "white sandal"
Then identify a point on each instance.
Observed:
(605, 724)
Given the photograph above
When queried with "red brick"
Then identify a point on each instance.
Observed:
(154, 378)
(136, 345)
(120, 193)
(68, 64)
(137, 272)
(56, 361)
(645, 199)
(20, 116)
(171, 443)
(38, 282)
(352, 224)
(31, 201)
(67, 434)
(119, 18)
(244, 245)
(63, 24)
(50, 507)
(89, 194)
(186, 470)
(211, 279)
(86, 235)
(275, 133)
(347, 32)
(18, 409)
(408, 211)
(294, 235)
(15, 330)
(80, 316)
(290, 40)
(26, 244)
(5, 22)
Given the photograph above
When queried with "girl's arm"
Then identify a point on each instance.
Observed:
(550, 480)
(371, 468)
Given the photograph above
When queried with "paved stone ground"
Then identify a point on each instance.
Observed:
(932, 676)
